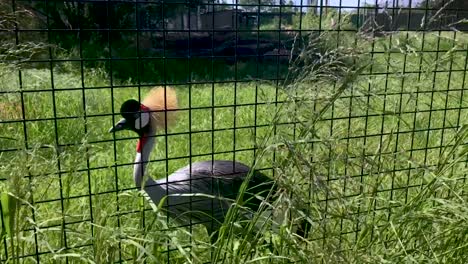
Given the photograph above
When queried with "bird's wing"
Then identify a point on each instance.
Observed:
(219, 178)
(224, 178)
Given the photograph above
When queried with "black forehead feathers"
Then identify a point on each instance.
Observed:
(130, 109)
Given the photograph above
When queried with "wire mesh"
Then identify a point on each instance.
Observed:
(355, 108)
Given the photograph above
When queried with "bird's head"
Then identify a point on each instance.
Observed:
(136, 117)
(150, 115)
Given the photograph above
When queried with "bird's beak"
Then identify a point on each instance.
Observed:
(121, 125)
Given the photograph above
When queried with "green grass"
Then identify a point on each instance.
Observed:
(381, 163)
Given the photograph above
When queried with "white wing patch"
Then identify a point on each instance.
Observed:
(142, 121)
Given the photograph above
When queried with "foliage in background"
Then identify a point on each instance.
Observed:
(125, 47)
(330, 19)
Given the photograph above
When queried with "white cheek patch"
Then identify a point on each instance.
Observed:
(143, 120)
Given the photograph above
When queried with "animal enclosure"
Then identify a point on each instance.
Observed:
(356, 110)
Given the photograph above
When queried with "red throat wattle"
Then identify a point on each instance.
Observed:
(142, 141)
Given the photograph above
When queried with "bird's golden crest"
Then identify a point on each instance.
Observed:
(158, 100)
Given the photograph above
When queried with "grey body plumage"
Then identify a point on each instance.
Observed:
(204, 191)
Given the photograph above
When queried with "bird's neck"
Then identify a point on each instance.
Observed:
(144, 147)
(155, 190)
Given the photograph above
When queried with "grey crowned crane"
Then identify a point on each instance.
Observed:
(218, 181)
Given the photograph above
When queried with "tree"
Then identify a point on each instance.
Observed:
(288, 7)
(252, 5)
(431, 3)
